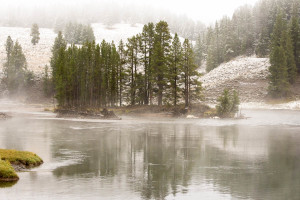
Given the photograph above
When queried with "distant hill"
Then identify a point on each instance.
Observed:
(39, 55)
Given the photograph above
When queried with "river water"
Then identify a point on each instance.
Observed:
(135, 158)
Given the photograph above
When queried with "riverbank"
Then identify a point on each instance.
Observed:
(180, 111)
(12, 161)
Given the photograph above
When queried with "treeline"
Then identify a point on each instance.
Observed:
(76, 33)
(248, 31)
(151, 68)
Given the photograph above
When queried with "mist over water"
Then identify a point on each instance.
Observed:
(136, 158)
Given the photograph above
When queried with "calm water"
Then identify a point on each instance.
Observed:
(257, 158)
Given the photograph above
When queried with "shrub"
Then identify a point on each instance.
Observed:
(228, 104)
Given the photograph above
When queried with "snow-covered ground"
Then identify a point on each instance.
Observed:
(248, 75)
(39, 55)
(116, 32)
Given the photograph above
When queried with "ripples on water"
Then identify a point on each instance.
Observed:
(134, 158)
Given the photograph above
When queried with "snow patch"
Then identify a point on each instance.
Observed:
(247, 75)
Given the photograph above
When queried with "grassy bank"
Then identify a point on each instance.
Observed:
(7, 172)
(19, 159)
(25, 158)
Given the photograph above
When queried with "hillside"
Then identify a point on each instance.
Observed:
(39, 55)
(247, 75)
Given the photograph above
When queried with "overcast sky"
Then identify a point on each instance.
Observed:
(207, 11)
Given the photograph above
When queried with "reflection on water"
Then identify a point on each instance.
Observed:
(150, 160)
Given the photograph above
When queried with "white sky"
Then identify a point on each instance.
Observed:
(207, 11)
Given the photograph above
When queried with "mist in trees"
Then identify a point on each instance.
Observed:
(16, 76)
(76, 33)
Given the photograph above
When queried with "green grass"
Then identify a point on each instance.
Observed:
(20, 157)
(7, 172)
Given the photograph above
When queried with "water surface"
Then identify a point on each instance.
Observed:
(257, 158)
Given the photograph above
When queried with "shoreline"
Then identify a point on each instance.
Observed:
(12, 161)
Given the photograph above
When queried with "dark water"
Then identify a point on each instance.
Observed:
(257, 158)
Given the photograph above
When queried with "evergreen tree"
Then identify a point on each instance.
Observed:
(192, 87)
(280, 58)
(15, 67)
(146, 48)
(224, 105)
(58, 44)
(199, 51)
(279, 85)
(294, 31)
(132, 59)
(235, 102)
(160, 57)
(228, 104)
(78, 33)
(262, 47)
(47, 84)
(289, 53)
(9, 48)
(175, 68)
(121, 70)
(35, 34)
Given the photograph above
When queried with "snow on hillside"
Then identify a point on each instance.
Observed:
(39, 55)
(248, 75)
(116, 32)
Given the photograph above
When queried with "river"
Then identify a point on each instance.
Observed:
(136, 158)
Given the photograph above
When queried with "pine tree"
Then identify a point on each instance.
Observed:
(121, 70)
(146, 48)
(58, 44)
(78, 33)
(235, 102)
(279, 82)
(279, 85)
(160, 57)
(15, 67)
(192, 87)
(9, 48)
(289, 53)
(175, 68)
(262, 47)
(228, 104)
(35, 34)
(224, 105)
(47, 84)
(199, 51)
(132, 59)
(294, 31)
